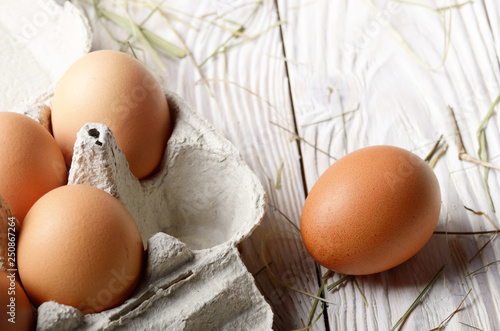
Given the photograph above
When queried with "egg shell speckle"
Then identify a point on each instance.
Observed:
(371, 210)
(91, 243)
(34, 166)
(115, 89)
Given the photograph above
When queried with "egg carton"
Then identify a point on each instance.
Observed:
(191, 213)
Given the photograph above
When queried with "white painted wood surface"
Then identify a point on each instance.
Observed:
(341, 75)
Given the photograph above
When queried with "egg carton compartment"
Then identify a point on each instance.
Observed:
(191, 214)
(204, 194)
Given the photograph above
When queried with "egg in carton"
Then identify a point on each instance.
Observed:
(192, 213)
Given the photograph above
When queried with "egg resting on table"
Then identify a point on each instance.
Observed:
(371, 210)
(114, 89)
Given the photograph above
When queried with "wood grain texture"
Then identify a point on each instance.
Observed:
(355, 62)
(311, 80)
(248, 101)
(250, 93)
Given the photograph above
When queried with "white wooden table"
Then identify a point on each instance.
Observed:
(297, 84)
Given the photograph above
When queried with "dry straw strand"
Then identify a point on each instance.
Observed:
(480, 213)
(483, 267)
(465, 233)
(462, 154)
(237, 85)
(343, 114)
(278, 175)
(470, 326)
(434, 10)
(241, 27)
(491, 239)
(338, 282)
(417, 300)
(483, 151)
(264, 260)
(482, 248)
(315, 305)
(377, 14)
(433, 150)
(190, 55)
(361, 292)
(447, 319)
(297, 137)
(284, 216)
(438, 155)
(132, 50)
(153, 39)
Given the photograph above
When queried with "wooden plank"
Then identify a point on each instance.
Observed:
(250, 94)
(248, 101)
(344, 58)
(352, 84)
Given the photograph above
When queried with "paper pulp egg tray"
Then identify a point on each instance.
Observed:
(191, 214)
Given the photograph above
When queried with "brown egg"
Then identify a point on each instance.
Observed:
(113, 88)
(15, 308)
(371, 210)
(79, 246)
(31, 163)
